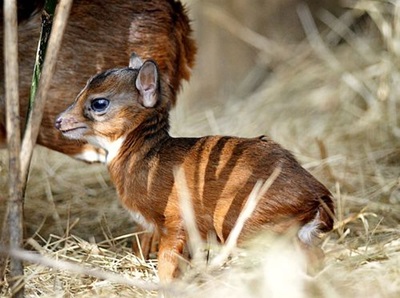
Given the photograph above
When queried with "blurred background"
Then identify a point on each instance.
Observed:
(240, 42)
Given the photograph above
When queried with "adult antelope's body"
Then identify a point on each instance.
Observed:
(125, 111)
(100, 34)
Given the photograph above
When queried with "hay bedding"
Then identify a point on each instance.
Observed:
(336, 109)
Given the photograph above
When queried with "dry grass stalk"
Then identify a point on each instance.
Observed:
(210, 262)
(195, 242)
(259, 190)
(82, 270)
(36, 113)
(20, 161)
(70, 265)
(13, 227)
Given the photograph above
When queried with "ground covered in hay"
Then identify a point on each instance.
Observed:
(333, 102)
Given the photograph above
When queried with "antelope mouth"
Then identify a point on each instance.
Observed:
(74, 133)
(72, 129)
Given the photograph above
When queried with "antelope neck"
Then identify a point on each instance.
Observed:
(141, 141)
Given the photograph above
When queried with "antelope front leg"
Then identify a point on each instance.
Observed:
(171, 247)
(147, 245)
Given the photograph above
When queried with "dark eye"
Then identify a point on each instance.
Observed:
(99, 104)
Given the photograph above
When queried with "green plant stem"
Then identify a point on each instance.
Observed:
(47, 22)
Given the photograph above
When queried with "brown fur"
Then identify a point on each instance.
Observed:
(100, 34)
(220, 171)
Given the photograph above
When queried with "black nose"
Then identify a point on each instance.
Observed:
(57, 124)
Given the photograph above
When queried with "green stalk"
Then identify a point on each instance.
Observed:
(47, 22)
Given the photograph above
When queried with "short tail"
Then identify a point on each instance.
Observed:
(321, 223)
(326, 214)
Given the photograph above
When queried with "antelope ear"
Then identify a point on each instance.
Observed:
(135, 62)
(147, 84)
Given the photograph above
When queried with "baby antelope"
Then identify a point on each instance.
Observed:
(125, 111)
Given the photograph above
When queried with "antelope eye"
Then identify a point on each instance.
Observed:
(99, 104)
